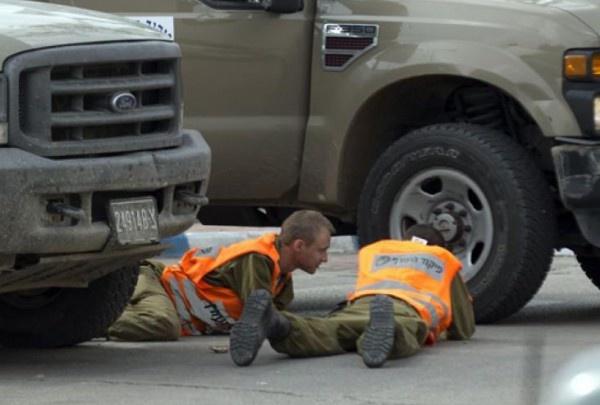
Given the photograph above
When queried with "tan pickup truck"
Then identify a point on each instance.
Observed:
(477, 116)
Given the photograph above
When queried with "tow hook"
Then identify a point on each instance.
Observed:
(61, 208)
(191, 198)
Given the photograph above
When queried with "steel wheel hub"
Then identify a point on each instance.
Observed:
(453, 204)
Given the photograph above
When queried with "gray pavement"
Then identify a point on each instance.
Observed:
(506, 363)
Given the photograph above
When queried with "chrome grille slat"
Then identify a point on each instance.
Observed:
(82, 86)
(99, 118)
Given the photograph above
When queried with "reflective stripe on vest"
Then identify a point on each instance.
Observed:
(212, 314)
(397, 285)
(185, 319)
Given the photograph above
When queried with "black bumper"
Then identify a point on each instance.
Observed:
(578, 173)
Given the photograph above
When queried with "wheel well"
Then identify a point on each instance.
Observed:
(414, 103)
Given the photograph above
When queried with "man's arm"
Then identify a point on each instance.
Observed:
(255, 272)
(244, 275)
(248, 273)
(252, 272)
(283, 299)
(463, 318)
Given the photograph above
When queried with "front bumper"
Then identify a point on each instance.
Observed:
(30, 183)
(578, 172)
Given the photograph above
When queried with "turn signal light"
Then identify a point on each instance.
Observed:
(597, 114)
(575, 66)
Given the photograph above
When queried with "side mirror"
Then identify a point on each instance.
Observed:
(283, 6)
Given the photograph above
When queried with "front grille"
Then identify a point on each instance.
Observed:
(95, 99)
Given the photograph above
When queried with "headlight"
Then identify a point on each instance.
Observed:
(582, 64)
(597, 114)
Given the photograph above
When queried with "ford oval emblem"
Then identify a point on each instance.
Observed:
(122, 102)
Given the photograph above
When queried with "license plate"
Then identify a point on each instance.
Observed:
(134, 221)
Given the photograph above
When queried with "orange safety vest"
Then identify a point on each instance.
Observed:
(204, 307)
(418, 274)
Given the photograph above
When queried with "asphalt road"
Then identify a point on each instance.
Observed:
(505, 363)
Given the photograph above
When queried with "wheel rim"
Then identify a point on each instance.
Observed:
(454, 205)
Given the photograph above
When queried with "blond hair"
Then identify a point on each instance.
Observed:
(304, 225)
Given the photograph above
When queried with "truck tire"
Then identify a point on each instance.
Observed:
(487, 197)
(57, 317)
(591, 267)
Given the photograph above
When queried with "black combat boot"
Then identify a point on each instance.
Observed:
(378, 338)
(259, 320)
(279, 327)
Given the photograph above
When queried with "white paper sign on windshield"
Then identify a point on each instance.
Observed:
(162, 24)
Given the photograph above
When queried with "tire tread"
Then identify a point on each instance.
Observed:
(532, 196)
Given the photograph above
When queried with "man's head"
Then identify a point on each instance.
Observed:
(305, 237)
(427, 232)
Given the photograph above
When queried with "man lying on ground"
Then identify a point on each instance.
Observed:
(206, 293)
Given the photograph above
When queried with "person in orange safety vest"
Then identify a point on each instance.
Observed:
(407, 294)
(207, 289)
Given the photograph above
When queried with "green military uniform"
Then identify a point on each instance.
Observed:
(342, 331)
(151, 315)
(248, 273)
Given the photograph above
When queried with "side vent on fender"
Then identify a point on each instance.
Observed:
(343, 43)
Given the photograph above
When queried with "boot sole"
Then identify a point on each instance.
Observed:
(379, 336)
(248, 334)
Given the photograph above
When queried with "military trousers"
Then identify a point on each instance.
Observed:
(150, 314)
(342, 331)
